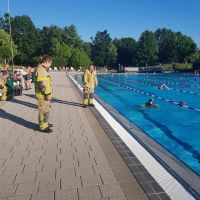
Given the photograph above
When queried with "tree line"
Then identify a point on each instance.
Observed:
(66, 47)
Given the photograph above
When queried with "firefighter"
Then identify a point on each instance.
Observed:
(89, 81)
(3, 86)
(44, 92)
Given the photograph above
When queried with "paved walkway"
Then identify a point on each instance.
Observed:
(75, 162)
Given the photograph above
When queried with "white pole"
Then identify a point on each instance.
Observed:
(11, 46)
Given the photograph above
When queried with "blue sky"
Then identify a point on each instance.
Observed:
(122, 18)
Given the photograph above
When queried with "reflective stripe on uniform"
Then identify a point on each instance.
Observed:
(43, 79)
(39, 95)
(90, 101)
(47, 91)
(85, 101)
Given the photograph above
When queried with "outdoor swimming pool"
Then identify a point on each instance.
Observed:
(174, 127)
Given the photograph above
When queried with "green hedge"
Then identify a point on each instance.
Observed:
(176, 67)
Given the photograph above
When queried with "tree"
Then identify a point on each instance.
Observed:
(166, 40)
(126, 51)
(25, 36)
(61, 54)
(5, 48)
(61, 50)
(71, 37)
(185, 47)
(48, 36)
(80, 59)
(5, 21)
(195, 60)
(112, 54)
(147, 49)
(87, 48)
(1, 23)
(103, 50)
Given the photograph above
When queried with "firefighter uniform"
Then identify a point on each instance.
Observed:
(90, 80)
(43, 93)
(3, 89)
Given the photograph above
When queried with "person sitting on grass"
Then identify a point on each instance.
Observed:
(150, 104)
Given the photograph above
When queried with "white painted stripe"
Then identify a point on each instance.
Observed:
(170, 185)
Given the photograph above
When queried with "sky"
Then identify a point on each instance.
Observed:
(122, 18)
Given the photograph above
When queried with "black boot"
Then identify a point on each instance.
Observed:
(47, 130)
(50, 125)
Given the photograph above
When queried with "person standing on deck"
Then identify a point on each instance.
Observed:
(43, 93)
(89, 82)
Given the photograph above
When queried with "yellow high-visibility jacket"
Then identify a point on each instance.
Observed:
(3, 89)
(43, 83)
(90, 80)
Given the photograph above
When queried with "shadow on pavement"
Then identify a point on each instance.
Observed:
(60, 101)
(25, 103)
(18, 120)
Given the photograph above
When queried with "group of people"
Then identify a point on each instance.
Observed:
(13, 82)
(150, 103)
(44, 91)
(21, 79)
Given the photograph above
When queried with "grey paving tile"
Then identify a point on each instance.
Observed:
(65, 173)
(2, 161)
(137, 197)
(24, 197)
(118, 198)
(8, 190)
(50, 186)
(13, 170)
(143, 177)
(47, 165)
(108, 178)
(46, 176)
(91, 180)
(7, 180)
(27, 188)
(43, 196)
(147, 187)
(164, 196)
(89, 193)
(124, 176)
(32, 168)
(99, 169)
(131, 188)
(25, 178)
(153, 197)
(71, 182)
(86, 170)
(111, 190)
(71, 194)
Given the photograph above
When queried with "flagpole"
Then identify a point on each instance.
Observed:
(11, 43)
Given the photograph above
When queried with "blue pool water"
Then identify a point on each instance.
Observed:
(175, 127)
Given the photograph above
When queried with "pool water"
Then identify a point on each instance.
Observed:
(175, 127)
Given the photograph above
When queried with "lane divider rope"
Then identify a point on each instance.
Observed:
(147, 93)
(149, 84)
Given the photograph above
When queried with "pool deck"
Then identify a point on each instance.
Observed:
(75, 162)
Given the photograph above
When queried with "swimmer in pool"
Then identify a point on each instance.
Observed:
(163, 86)
(182, 103)
(150, 104)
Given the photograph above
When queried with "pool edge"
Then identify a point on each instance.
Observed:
(129, 127)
